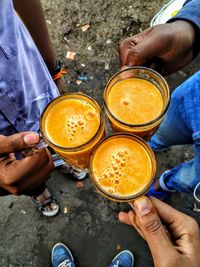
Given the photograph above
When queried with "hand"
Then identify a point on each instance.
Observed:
(61, 84)
(22, 176)
(173, 242)
(166, 47)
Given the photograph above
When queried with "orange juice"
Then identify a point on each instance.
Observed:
(136, 100)
(122, 167)
(72, 125)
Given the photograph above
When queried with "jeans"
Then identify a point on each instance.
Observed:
(181, 125)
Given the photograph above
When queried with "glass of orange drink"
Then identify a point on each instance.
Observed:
(122, 167)
(72, 124)
(136, 100)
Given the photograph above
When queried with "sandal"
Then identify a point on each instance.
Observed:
(42, 204)
(74, 174)
(65, 168)
(157, 194)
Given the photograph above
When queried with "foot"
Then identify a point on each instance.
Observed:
(46, 203)
(123, 259)
(61, 256)
(74, 174)
(65, 168)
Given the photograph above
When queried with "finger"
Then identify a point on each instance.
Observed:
(130, 219)
(150, 224)
(135, 224)
(129, 50)
(18, 142)
(27, 186)
(124, 218)
(178, 222)
(19, 170)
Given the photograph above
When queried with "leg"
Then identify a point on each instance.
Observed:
(61, 256)
(184, 177)
(123, 259)
(180, 126)
(182, 118)
(45, 201)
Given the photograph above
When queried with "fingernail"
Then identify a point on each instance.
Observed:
(31, 139)
(143, 206)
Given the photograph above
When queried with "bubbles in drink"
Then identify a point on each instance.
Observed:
(115, 170)
(123, 165)
(72, 126)
(112, 174)
(91, 115)
(110, 190)
(81, 122)
(126, 101)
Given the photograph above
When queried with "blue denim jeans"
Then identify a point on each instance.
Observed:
(181, 125)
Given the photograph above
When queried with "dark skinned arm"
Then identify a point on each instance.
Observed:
(32, 14)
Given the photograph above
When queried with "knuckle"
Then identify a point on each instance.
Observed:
(134, 55)
(41, 154)
(193, 227)
(44, 157)
(15, 191)
(7, 181)
(152, 225)
(12, 144)
(124, 43)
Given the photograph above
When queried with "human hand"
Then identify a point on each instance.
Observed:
(165, 47)
(173, 237)
(22, 176)
(61, 84)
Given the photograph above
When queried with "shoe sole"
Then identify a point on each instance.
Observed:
(63, 245)
(51, 213)
(127, 251)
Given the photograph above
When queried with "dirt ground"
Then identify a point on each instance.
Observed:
(87, 221)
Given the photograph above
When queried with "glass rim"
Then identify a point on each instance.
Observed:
(74, 147)
(153, 168)
(143, 124)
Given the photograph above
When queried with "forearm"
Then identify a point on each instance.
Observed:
(32, 15)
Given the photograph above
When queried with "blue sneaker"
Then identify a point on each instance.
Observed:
(61, 256)
(123, 259)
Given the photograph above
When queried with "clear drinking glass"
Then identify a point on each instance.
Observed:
(77, 123)
(122, 167)
(141, 75)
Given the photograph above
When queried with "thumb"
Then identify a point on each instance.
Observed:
(152, 229)
(18, 142)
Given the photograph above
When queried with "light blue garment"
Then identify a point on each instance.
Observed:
(181, 126)
(26, 86)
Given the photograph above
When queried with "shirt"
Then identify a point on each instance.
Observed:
(190, 11)
(26, 86)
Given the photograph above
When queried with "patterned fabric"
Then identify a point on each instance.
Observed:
(26, 86)
(181, 126)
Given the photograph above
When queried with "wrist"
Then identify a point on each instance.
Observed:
(56, 68)
(188, 33)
